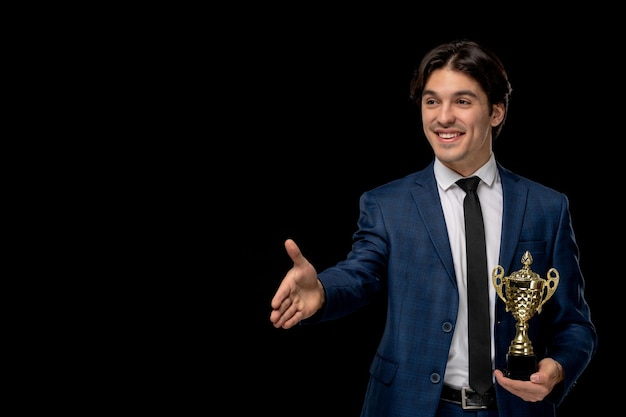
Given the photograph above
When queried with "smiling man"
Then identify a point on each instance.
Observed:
(410, 245)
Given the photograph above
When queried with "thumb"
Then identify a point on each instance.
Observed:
(294, 253)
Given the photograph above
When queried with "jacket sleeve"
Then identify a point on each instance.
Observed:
(573, 338)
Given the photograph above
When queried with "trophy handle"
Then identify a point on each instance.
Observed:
(551, 282)
(496, 277)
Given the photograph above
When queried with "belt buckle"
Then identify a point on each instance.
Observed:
(464, 392)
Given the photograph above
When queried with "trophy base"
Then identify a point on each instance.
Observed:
(520, 366)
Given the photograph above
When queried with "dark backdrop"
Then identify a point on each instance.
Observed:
(326, 114)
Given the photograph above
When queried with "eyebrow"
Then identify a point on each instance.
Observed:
(456, 94)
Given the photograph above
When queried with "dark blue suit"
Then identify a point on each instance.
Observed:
(401, 246)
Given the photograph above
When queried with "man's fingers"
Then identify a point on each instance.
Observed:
(285, 318)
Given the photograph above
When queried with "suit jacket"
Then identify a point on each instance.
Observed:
(401, 247)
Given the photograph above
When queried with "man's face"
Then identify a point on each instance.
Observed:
(457, 120)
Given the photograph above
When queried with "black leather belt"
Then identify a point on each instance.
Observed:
(468, 399)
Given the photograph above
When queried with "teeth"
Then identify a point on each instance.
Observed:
(448, 135)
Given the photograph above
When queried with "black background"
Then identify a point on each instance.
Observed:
(217, 134)
(323, 115)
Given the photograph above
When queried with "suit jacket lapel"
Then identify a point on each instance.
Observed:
(426, 198)
(514, 198)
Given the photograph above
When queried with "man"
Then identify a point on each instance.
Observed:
(410, 243)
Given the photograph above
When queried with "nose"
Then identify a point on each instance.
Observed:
(445, 115)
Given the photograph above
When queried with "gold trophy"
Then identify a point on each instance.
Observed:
(524, 295)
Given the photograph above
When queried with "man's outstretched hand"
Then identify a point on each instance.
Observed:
(300, 293)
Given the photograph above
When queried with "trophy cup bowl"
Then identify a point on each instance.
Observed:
(524, 293)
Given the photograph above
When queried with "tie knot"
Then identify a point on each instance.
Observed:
(468, 184)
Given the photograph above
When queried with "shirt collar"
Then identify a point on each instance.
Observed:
(446, 177)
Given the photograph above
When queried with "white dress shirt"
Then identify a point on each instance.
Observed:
(490, 195)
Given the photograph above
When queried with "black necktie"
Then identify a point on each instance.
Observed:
(477, 289)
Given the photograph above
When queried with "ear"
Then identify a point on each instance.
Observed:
(497, 115)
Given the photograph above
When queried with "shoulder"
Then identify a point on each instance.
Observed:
(414, 180)
(512, 181)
